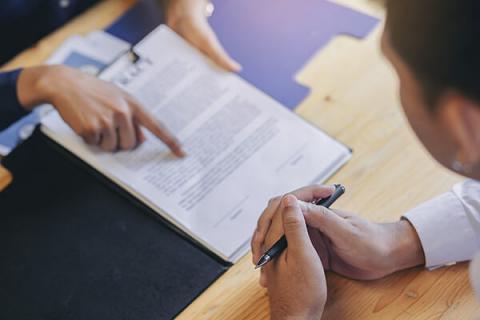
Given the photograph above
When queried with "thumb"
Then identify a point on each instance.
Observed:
(210, 45)
(294, 223)
(323, 219)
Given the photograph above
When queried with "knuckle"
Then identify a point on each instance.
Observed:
(322, 210)
(310, 207)
(132, 101)
(110, 146)
(260, 224)
(78, 129)
(318, 212)
(128, 145)
(107, 148)
(88, 132)
(274, 200)
(257, 239)
(84, 132)
(291, 221)
(131, 145)
(264, 221)
(122, 113)
(252, 244)
(106, 124)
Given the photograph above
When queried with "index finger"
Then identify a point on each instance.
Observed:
(263, 225)
(313, 192)
(275, 232)
(307, 194)
(147, 120)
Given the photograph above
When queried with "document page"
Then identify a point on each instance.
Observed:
(243, 147)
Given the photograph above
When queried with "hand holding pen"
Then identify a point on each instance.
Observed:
(282, 244)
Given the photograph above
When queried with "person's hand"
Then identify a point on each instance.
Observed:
(295, 280)
(359, 249)
(348, 244)
(307, 194)
(188, 18)
(101, 113)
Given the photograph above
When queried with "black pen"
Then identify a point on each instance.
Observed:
(281, 244)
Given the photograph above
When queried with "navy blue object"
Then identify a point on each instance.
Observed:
(10, 108)
(24, 22)
(272, 39)
(20, 15)
(75, 246)
(137, 22)
(11, 137)
(11, 111)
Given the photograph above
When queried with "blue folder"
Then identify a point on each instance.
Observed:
(272, 39)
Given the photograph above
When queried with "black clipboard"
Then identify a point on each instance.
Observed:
(73, 245)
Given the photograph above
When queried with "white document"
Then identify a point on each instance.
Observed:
(243, 147)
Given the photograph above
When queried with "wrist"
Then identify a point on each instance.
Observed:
(176, 11)
(407, 251)
(280, 312)
(36, 85)
(281, 316)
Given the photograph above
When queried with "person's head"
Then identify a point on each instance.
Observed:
(434, 45)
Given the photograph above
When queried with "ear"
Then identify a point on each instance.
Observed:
(461, 117)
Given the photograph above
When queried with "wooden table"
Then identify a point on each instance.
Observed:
(354, 99)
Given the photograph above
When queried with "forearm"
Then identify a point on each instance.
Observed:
(276, 316)
(175, 10)
(278, 312)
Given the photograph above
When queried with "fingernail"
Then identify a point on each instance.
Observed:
(181, 153)
(178, 151)
(290, 201)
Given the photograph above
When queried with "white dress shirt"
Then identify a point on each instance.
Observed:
(449, 228)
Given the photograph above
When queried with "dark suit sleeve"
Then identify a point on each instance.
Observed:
(10, 108)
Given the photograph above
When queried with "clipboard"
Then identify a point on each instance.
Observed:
(73, 245)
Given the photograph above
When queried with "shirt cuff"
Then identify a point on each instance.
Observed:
(444, 229)
(10, 107)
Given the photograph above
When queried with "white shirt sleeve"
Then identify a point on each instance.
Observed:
(449, 225)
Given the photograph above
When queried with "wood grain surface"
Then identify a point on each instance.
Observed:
(354, 98)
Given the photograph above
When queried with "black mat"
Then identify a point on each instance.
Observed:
(74, 246)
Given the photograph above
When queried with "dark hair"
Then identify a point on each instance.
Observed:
(440, 42)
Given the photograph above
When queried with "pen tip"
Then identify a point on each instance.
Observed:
(263, 261)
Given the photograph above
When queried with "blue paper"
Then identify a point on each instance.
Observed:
(80, 61)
